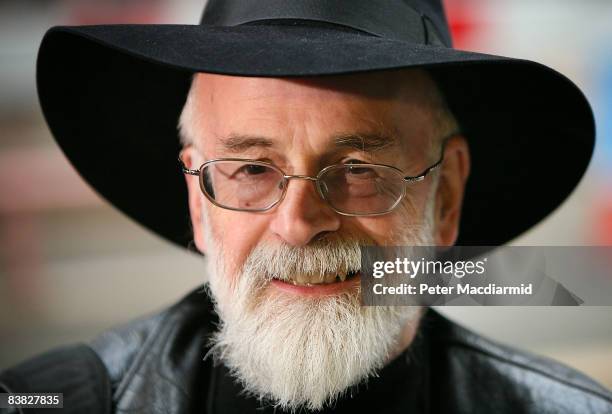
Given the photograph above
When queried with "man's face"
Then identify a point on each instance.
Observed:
(296, 125)
(276, 326)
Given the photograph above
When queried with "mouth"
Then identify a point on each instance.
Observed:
(311, 280)
(328, 284)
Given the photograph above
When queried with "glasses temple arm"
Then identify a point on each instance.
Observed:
(423, 174)
(187, 170)
(429, 169)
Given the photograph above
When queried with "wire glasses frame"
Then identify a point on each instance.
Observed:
(320, 182)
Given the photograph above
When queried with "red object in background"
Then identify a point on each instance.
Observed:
(134, 11)
(465, 21)
(603, 222)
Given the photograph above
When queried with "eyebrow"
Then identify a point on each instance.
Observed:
(366, 142)
(237, 143)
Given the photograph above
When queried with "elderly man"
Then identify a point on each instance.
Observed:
(286, 284)
(288, 173)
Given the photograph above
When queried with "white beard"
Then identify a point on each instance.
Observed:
(295, 351)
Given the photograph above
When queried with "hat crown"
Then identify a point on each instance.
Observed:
(416, 21)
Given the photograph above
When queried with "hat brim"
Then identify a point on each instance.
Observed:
(112, 96)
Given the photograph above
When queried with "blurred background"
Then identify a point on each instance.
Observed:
(71, 266)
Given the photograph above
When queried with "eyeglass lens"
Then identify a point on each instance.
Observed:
(362, 189)
(240, 185)
(350, 189)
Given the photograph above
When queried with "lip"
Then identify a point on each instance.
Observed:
(327, 289)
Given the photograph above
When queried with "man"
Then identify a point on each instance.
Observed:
(279, 282)
(287, 174)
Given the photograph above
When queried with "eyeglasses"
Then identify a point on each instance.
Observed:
(352, 189)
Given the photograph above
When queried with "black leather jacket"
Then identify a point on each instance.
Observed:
(157, 365)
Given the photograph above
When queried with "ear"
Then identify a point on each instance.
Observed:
(451, 186)
(191, 159)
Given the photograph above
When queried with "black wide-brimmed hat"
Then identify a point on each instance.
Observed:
(112, 96)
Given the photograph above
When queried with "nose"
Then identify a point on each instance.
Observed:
(303, 215)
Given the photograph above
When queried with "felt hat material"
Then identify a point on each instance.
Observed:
(112, 95)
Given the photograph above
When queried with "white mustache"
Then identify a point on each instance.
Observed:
(323, 257)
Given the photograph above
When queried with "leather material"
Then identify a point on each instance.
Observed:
(75, 371)
(157, 365)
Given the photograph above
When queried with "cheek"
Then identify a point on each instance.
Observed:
(387, 229)
(237, 233)
(381, 230)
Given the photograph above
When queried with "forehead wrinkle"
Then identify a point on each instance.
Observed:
(406, 95)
